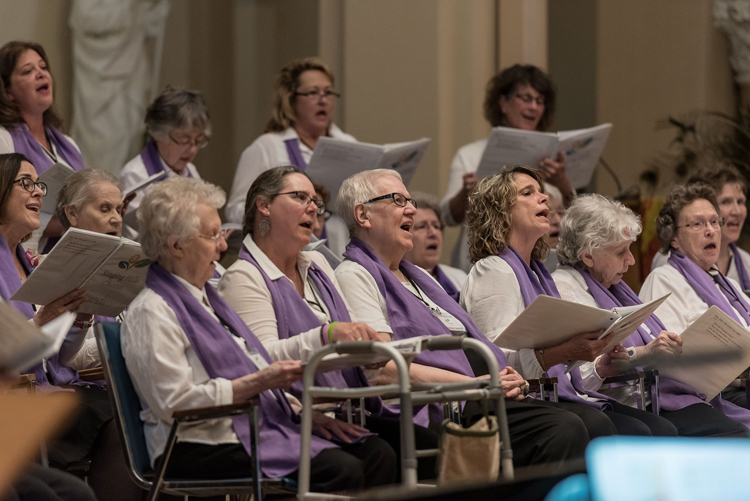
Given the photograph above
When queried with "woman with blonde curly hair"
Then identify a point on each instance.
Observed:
(304, 98)
(508, 224)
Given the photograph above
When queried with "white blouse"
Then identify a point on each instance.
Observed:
(684, 306)
(492, 297)
(661, 259)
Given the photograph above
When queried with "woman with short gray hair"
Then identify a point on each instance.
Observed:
(177, 126)
(594, 251)
(91, 199)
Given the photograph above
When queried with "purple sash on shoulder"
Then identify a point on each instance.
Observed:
(673, 395)
(294, 316)
(24, 142)
(446, 283)
(535, 281)
(409, 317)
(295, 155)
(152, 160)
(704, 285)
(740, 265)
(222, 357)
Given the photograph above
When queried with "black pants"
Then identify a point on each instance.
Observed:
(48, 484)
(368, 464)
(390, 430)
(738, 396)
(702, 420)
(631, 421)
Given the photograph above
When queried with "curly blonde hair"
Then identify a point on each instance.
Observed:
(490, 210)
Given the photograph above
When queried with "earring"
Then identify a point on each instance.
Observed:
(264, 226)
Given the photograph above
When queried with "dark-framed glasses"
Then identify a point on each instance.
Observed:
(716, 223)
(317, 94)
(398, 199)
(305, 200)
(528, 99)
(186, 143)
(29, 185)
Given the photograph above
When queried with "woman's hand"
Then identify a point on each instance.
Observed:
(329, 428)
(614, 363)
(470, 180)
(553, 172)
(353, 331)
(280, 375)
(457, 204)
(69, 302)
(666, 344)
(586, 346)
(512, 383)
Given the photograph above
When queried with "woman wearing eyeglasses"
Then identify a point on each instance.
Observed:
(302, 113)
(689, 225)
(29, 123)
(521, 97)
(178, 125)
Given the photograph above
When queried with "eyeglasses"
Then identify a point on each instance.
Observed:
(305, 200)
(326, 215)
(701, 225)
(435, 225)
(528, 99)
(199, 143)
(398, 199)
(317, 94)
(216, 238)
(29, 185)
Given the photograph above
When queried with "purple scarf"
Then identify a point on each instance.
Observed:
(704, 285)
(446, 283)
(673, 395)
(223, 358)
(295, 155)
(534, 281)
(409, 317)
(24, 142)
(152, 160)
(740, 265)
(293, 316)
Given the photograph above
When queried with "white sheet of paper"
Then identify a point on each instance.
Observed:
(712, 332)
(334, 160)
(407, 347)
(23, 345)
(54, 177)
(582, 149)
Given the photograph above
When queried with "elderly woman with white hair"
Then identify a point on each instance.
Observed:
(594, 253)
(184, 335)
(395, 297)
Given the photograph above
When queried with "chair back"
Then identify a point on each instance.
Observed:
(124, 400)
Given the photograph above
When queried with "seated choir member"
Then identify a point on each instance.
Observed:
(29, 123)
(304, 99)
(508, 223)
(181, 334)
(178, 126)
(594, 251)
(393, 296)
(290, 299)
(21, 196)
(520, 97)
(731, 194)
(428, 245)
(556, 211)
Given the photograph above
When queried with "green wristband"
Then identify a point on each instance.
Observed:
(330, 329)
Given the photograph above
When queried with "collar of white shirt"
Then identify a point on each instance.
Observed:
(198, 294)
(271, 270)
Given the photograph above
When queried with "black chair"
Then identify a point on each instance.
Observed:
(127, 412)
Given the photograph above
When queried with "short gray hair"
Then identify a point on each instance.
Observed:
(592, 222)
(267, 185)
(170, 208)
(78, 189)
(430, 202)
(177, 109)
(358, 189)
(680, 197)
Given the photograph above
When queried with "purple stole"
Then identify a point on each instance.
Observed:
(24, 142)
(10, 282)
(152, 160)
(535, 281)
(222, 357)
(294, 316)
(740, 265)
(446, 283)
(295, 155)
(704, 285)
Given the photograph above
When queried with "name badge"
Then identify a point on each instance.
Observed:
(448, 320)
(258, 360)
